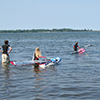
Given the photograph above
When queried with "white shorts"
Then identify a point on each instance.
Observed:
(5, 58)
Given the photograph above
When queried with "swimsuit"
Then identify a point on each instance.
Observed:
(75, 47)
(5, 56)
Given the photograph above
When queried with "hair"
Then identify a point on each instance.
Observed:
(37, 52)
(6, 41)
(76, 42)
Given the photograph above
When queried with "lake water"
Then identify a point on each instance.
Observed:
(76, 77)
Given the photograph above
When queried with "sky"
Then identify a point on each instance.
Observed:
(49, 14)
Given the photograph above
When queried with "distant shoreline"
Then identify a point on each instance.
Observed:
(44, 30)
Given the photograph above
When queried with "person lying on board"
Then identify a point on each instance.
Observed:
(76, 46)
(36, 54)
(5, 55)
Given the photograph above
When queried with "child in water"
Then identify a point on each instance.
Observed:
(36, 54)
(76, 46)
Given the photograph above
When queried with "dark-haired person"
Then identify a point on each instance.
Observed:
(76, 46)
(5, 52)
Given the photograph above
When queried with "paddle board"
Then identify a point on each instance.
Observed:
(80, 51)
(45, 62)
(49, 62)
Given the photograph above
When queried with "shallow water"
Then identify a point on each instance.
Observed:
(76, 77)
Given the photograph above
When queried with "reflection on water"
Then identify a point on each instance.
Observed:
(36, 68)
(41, 81)
(76, 77)
(6, 80)
(38, 82)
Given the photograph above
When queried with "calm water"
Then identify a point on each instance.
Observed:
(76, 77)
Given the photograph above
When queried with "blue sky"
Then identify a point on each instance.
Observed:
(49, 14)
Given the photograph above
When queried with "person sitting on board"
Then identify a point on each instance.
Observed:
(5, 55)
(36, 54)
(76, 46)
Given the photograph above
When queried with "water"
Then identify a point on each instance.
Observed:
(76, 77)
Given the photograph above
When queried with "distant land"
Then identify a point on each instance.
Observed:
(43, 30)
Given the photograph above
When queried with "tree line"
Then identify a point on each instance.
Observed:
(42, 30)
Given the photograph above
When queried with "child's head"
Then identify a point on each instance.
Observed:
(76, 42)
(6, 41)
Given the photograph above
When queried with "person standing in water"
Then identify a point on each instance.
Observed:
(76, 46)
(5, 52)
(36, 54)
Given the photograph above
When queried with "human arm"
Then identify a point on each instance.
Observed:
(0, 50)
(10, 48)
(33, 58)
(78, 47)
